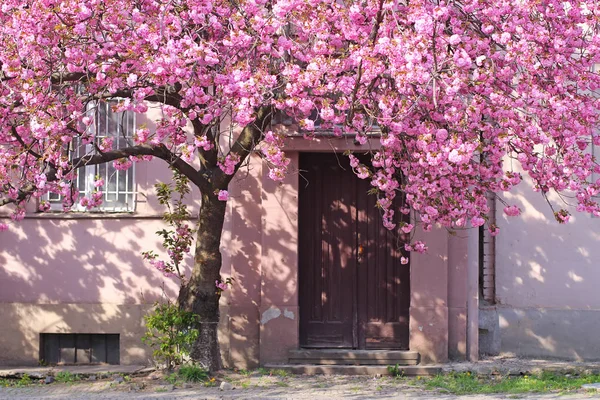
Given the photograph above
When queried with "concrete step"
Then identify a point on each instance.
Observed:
(352, 357)
(311, 369)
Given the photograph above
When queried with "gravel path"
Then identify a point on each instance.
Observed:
(255, 387)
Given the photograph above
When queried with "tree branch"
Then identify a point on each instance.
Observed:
(163, 94)
(94, 159)
(23, 144)
(144, 150)
(60, 77)
(245, 143)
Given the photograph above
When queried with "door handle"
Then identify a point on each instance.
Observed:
(360, 253)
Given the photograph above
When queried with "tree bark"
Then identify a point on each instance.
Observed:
(199, 293)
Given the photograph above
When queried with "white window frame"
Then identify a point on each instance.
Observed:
(122, 197)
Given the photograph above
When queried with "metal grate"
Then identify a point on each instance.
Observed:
(79, 348)
(119, 189)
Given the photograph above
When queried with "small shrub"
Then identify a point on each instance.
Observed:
(193, 373)
(171, 378)
(65, 377)
(171, 332)
(396, 370)
(24, 381)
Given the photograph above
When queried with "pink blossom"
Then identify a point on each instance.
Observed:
(419, 247)
(454, 40)
(512, 211)
(132, 79)
(466, 88)
(44, 206)
(406, 228)
(477, 221)
(223, 195)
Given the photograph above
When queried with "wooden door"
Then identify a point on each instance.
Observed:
(354, 292)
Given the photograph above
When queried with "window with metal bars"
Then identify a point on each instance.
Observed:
(119, 188)
(79, 348)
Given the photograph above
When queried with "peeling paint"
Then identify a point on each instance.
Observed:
(270, 314)
(288, 314)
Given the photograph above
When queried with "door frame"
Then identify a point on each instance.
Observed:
(438, 279)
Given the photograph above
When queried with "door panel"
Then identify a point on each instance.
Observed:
(327, 271)
(384, 294)
(354, 292)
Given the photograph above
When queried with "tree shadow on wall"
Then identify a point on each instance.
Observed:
(77, 276)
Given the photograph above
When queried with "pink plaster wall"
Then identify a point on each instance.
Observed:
(541, 263)
(547, 278)
(94, 260)
(87, 257)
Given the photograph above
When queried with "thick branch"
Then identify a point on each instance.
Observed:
(93, 159)
(23, 144)
(166, 95)
(245, 143)
(163, 94)
(144, 150)
(208, 158)
(60, 77)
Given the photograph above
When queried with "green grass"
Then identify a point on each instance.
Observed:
(25, 380)
(466, 383)
(173, 379)
(280, 373)
(193, 373)
(65, 377)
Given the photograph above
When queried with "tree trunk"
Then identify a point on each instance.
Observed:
(199, 294)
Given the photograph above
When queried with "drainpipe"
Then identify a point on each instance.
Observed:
(473, 294)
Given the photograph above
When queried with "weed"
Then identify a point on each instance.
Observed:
(24, 381)
(282, 384)
(65, 377)
(466, 383)
(282, 373)
(171, 378)
(396, 370)
(211, 382)
(193, 373)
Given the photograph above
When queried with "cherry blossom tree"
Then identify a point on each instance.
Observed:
(453, 88)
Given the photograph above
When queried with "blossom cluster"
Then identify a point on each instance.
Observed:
(454, 88)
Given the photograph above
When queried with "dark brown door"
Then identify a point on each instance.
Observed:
(354, 292)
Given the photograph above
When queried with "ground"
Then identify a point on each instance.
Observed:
(254, 387)
(492, 378)
(270, 385)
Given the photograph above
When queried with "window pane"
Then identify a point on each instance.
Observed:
(119, 185)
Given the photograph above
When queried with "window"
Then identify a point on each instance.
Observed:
(79, 348)
(119, 186)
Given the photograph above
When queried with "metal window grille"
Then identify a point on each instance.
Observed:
(79, 348)
(119, 190)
